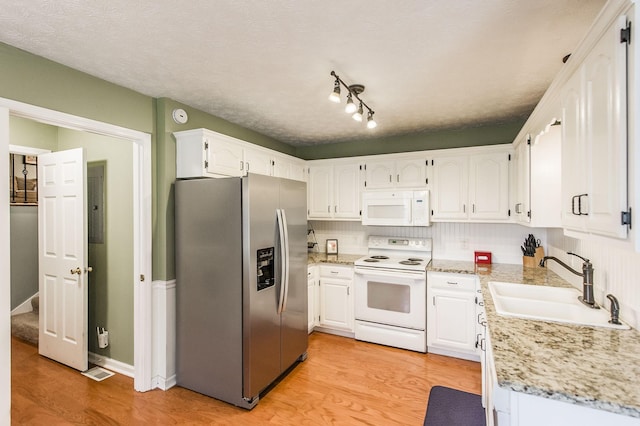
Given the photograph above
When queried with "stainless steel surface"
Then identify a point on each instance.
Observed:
(231, 264)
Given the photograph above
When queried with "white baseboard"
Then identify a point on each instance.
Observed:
(24, 307)
(111, 364)
(342, 333)
(164, 384)
(453, 353)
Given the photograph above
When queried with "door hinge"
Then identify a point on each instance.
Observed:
(625, 218)
(509, 212)
(426, 181)
(625, 34)
(360, 212)
(528, 139)
(206, 145)
(426, 162)
(206, 164)
(141, 277)
(509, 157)
(365, 183)
(529, 214)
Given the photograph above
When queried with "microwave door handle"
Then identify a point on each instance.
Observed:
(282, 259)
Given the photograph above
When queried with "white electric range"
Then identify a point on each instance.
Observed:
(390, 292)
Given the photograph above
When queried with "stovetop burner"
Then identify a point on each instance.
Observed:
(371, 260)
(380, 257)
(415, 259)
(409, 262)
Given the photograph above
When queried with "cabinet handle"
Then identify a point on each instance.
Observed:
(464, 208)
(398, 178)
(518, 206)
(241, 165)
(390, 179)
(334, 272)
(434, 301)
(452, 282)
(335, 209)
(477, 340)
(482, 345)
(348, 293)
(473, 208)
(248, 164)
(328, 209)
(580, 205)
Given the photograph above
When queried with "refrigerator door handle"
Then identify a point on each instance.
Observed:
(283, 267)
(286, 257)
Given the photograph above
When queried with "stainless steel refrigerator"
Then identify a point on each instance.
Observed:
(241, 284)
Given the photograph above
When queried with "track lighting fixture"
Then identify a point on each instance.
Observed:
(353, 91)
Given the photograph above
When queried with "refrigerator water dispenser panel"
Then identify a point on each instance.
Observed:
(265, 265)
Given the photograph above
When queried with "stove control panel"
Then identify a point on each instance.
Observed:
(393, 243)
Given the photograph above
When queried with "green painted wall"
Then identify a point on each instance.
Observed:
(445, 139)
(24, 219)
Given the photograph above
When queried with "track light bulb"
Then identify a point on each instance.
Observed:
(335, 95)
(371, 123)
(351, 107)
(358, 114)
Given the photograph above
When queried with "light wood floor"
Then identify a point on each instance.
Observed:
(343, 382)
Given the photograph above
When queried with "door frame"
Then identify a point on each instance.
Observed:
(142, 225)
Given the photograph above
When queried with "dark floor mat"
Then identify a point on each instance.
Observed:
(451, 407)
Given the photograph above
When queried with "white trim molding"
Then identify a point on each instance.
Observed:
(142, 224)
(111, 364)
(164, 334)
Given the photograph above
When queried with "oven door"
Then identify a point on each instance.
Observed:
(391, 297)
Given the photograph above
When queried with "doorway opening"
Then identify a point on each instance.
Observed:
(140, 146)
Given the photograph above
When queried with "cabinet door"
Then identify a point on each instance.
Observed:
(605, 113)
(451, 320)
(574, 174)
(489, 186)
(257, 161)
(545, 172)
(522, 172)
(224, 157)
(346, 191)
(411, 173)
(312, 298)
(450, 181)
(379, 174)
(336, 308)
(320, 191)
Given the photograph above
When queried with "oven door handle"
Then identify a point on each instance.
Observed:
(386, 273)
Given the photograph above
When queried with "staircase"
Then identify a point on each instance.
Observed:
(25, 326)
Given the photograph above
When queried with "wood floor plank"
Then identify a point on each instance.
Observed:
(343, 382)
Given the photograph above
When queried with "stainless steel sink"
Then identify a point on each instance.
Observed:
(543, 303)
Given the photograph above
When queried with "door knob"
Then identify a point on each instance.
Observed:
(76, 271)
(88, 269)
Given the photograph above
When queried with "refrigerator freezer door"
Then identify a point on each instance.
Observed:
(261, 322)
(293, 196)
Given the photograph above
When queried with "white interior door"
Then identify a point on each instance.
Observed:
(62, 248)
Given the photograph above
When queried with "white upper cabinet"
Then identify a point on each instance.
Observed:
(489, 186)
(334, 191)
(403, 173)
(204, 153)
(594, 140)
(473, 187)
(545, 177)
(450, 187)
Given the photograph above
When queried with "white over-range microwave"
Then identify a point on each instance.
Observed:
(396, 208)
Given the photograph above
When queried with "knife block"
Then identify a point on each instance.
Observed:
(533, 261)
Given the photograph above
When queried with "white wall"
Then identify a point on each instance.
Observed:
(453, 241)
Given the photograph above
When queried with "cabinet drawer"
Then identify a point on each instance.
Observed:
(330, 271)
(463, 282)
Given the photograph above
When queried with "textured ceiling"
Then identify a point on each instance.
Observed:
(426, 64)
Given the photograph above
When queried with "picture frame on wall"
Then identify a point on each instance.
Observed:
(31, 159)
(332, 246)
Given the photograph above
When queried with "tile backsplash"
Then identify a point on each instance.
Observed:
(453, 241)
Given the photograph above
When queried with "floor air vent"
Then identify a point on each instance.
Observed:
(98, 374)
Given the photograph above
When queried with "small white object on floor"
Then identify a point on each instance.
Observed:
(98, 374)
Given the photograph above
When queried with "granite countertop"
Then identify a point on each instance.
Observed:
(589, 366)
(339, 259)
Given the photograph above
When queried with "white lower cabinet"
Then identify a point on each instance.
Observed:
(336, 298)
(451, 315)
(312, 296)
